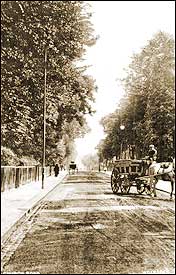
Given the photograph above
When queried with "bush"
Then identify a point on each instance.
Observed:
(8, 157)
(28, 161)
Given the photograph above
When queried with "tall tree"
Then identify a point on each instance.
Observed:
(148, 106)
(28, 30)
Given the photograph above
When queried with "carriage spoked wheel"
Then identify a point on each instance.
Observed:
(140, 185)
(115, 181)
(125, 184)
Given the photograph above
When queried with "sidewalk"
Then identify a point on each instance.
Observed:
(18, 201)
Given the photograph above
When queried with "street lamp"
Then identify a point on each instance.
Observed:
(44, 122)
(99, 169)
(122, 127)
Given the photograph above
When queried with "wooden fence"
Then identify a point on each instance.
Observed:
(14, 176)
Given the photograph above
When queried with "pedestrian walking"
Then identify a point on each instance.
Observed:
(56, 170)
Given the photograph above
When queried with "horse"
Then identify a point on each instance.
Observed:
(73, 167)
(164, 171)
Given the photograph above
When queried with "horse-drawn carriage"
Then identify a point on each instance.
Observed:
(127, 173)
(72, 168)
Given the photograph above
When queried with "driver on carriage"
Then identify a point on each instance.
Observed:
(152, 153)
(152, 156)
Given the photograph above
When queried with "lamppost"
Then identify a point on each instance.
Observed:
(122, 127)
(44, 121)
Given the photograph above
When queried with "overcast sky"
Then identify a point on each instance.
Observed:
(124, 28)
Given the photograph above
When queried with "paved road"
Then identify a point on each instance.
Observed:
(82, 228)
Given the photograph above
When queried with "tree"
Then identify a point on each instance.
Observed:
(148, 106)
(91, 162)
(28, 29)
(150, 85)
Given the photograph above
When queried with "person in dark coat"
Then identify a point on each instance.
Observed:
(56, 170)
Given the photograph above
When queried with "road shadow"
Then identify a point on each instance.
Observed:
(139, 196)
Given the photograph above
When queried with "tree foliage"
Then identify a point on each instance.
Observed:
(8, 157)
(90, 162)
(148, 107)
(29, 30)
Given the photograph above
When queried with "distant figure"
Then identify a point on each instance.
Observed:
(132, 151)
(50, 169)
(56, 170)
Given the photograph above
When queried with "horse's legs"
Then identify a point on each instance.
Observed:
(172, 188)
(152, 183)
(154, 186)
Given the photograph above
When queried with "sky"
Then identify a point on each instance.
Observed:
(124, 28)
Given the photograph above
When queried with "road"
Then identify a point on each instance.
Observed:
(81, 227)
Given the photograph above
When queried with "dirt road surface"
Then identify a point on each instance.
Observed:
(81, 227)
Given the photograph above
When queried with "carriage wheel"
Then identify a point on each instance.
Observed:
(140, 184)
(125, 185)
(115, 181)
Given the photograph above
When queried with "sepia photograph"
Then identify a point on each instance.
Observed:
(87, 137)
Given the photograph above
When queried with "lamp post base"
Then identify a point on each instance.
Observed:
(43, 177)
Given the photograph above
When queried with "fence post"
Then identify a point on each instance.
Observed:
(35, 177)
(17, 179)
(38, 168)
(2, 180)
(30, 174)
(21, 175)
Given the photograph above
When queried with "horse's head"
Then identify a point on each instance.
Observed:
(172, 163)
(165, 165)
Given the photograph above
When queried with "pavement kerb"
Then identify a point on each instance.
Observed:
(40, 196)
(108, 173)
(28, 209)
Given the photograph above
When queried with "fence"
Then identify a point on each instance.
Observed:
(14, 176)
